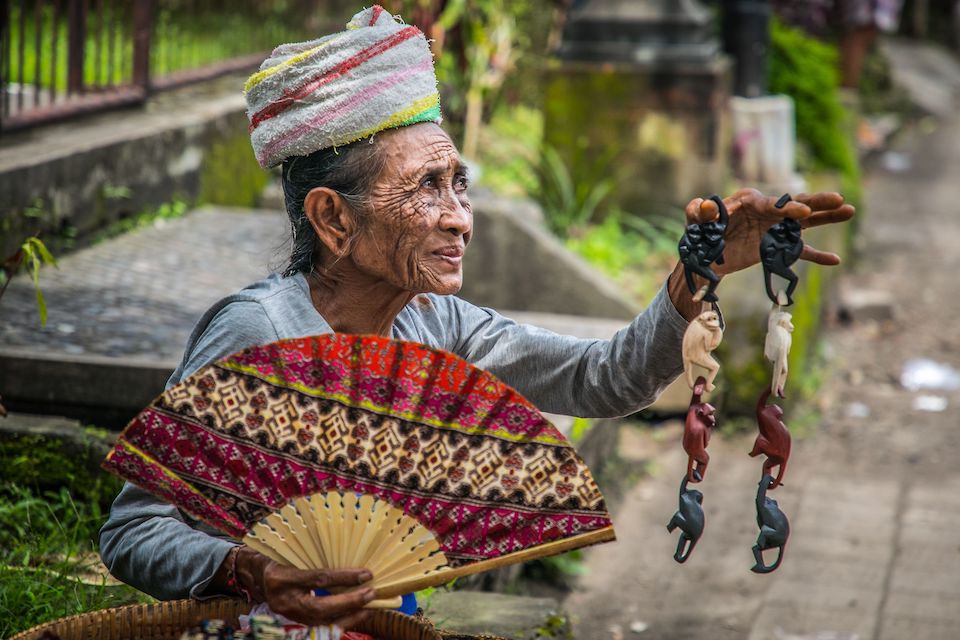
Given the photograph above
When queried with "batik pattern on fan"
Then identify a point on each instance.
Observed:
(388, 425)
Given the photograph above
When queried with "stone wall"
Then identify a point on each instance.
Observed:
(71, 181)
(514, 263)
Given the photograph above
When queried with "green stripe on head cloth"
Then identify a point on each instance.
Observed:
(307, 96)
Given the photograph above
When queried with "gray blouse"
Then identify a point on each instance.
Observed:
(151, 545)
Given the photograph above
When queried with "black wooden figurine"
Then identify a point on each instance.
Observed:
(774, 528)
(689, 518)
(780, 247)
(701, 245)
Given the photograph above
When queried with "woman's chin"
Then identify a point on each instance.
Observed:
(447, 286)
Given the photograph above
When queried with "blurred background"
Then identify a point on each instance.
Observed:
(130, 200)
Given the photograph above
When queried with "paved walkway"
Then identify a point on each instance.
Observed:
(139, 294)
(873, 497)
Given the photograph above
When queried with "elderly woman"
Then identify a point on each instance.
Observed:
(380, 226)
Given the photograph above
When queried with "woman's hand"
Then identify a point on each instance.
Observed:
(751, 215)
(288, 591)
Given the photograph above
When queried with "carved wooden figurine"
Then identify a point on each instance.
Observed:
(701, 245)
(701, 419)
(689, 518)
(702, 336)
(777, 347)
(774, 528)
(774, 439)
(780, 247)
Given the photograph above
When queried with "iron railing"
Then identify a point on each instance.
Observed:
(60, 58)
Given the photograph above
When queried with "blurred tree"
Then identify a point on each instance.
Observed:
(478, 45)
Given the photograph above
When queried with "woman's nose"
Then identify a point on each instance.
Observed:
(456, 218)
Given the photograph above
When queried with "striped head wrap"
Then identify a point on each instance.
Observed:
(307, 96)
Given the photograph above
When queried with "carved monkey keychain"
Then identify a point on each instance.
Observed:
(701, 245)
(779, 249)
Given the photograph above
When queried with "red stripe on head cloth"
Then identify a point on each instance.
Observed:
(337, 89)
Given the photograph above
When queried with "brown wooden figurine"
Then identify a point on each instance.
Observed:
(701, 419)
(774, 438)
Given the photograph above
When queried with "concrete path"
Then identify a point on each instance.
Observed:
(873, 496)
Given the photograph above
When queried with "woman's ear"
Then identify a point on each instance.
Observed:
(330, 218)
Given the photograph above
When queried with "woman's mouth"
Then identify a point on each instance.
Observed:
(452, 254)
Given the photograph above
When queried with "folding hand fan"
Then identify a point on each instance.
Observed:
(340, 450)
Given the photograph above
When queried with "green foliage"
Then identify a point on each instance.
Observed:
(181, 39)
(47, 546)
(806, 70)
(509, 150)
(580, 428)
(47, 464)
(635, 252)
(176, 208)
(560, 570)
(117, 192)
(555, 626)
(424, 596)
(230, 174)
(51, 508)
(32, 255)
(567, 203)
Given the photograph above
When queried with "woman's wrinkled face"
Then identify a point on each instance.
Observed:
(421, 220)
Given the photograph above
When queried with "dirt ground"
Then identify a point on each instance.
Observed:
(873, 495)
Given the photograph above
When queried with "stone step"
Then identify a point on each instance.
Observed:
(506, 616)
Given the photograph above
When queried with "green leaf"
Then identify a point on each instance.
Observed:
(41, 248)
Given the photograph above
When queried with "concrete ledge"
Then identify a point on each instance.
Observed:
(104, 391)
(513, 617)
(515, 263)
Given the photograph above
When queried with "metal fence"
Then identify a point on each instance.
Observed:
(60, 58)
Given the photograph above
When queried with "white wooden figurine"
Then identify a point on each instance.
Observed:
(701, 337)
(777, 347)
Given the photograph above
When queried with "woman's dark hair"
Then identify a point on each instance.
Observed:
(350, 170)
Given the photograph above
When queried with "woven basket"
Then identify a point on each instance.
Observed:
(168, 620)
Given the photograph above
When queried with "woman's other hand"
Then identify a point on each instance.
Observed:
(288, 591)
(751, 215)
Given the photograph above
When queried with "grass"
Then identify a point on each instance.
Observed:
(51, 509)
(47, 553)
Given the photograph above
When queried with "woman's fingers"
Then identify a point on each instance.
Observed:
(814, 209)
(841, 214)
(326, 578)
(821, 201)
(816, 256)
(326, 609)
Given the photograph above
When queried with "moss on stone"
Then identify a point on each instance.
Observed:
(48, 464)
(230, 174)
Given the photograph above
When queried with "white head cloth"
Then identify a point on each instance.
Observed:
(307, 96)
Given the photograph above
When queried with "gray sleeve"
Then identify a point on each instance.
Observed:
(573, 376)
(146, 542)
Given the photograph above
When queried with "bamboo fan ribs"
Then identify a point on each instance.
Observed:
(337, 530)
(339, 450)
